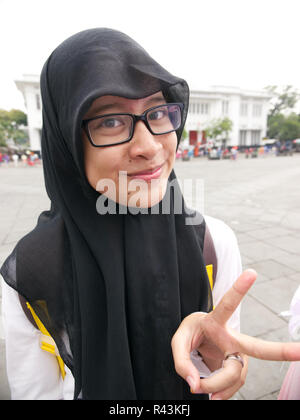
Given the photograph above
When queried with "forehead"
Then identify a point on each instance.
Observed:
(110, 103)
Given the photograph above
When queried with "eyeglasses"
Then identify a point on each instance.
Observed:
(112, 129)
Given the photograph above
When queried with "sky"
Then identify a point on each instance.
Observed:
(245, 43)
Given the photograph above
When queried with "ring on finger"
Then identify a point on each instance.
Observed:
(234, 356)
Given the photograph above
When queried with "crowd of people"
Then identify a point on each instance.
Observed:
(30, 158)
(27, 158)
(232, 152)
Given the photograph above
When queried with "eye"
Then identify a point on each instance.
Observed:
(110, 123)
(157, 115)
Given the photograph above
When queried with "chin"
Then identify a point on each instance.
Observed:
(148, 194)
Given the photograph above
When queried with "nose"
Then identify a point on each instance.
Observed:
(143, 143)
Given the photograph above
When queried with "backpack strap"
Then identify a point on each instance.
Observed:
(210, 257)
(209, 253)
(27, 311)
(46, 342)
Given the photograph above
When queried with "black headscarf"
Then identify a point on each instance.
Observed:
(110, 289)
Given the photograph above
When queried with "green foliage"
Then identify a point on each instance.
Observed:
(219, 129)
(184, 134)
(2, 142)
(282, 100)
(283, 127)
(12, 126)
(274, 125)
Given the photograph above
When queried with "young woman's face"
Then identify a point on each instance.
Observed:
(140, 168)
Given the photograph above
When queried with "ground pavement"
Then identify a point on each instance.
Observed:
(258, 198)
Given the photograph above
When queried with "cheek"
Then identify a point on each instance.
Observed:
(99, 164)
(170, 148)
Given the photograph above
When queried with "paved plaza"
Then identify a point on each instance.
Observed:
(258, 198)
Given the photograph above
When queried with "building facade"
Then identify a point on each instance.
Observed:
(246, 109)
(29, 85)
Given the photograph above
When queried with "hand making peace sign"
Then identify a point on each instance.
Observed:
(209, 334)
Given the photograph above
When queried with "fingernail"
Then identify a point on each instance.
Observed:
(191, 383)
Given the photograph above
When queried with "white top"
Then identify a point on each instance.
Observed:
(33, 374)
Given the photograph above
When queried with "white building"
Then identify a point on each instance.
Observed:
(246, 109)
(29, 85)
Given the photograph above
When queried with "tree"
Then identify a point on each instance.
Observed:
(283, 127)
(12, 125)
(275, 123)
(184, 134)
(290, 129)
(283, 99)
(219, 129)
(280, 125)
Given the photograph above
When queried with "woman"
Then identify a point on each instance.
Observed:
(110, 276)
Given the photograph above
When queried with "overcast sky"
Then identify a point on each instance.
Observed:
(245, 43)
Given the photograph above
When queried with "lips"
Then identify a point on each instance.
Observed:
(147, 174)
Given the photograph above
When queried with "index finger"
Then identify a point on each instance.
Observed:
(234, 296)
(268, 350)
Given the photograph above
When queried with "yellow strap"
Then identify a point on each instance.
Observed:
(210, 272)
(47, 343)
(209, 269)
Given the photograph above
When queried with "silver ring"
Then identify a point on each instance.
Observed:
(236, 357)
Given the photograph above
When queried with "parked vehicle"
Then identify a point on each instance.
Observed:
(215, 153)
(285, 149)
(296, 144)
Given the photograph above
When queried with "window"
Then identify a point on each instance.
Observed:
(199, 108)
(244, 109)
(204, 108)
(225, 107)
(37, 101)
(255, 137)
(243, 138)
(257, 110)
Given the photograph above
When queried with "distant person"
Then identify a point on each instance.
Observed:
(15, 159)
(24, 159)
(234, 153)
(6, 158)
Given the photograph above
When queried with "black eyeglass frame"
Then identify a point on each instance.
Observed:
(135, 118)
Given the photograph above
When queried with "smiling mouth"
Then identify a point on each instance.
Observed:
(147, 174)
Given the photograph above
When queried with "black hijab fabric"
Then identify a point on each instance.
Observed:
(110, 289)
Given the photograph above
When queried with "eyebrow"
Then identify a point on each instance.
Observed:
(102, 108)
(107, 107)
(156, 99)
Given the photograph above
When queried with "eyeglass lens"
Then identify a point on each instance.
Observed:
(116, 128)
